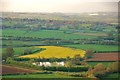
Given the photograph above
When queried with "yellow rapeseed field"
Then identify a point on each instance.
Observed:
(56, 52)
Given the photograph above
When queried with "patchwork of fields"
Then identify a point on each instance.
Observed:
(33, 38)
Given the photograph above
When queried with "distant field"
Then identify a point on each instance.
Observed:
(92, 34)
(95, 47)
(55, 51)
(20, 42)
(57, 34)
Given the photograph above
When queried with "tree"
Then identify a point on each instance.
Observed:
(68, 58)
(76, 59)
(89, 53)
(53, 59)
(9, 52)
(27, 51)
(84, 63)
(9, 60)
(99, 67)
(31, 61)
(114, 67)
(98, 70)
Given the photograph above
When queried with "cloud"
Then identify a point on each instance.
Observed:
(57, 5)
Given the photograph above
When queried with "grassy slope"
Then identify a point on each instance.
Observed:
(94, 47)
(55, 51)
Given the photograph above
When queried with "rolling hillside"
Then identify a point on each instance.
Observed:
(55, 51)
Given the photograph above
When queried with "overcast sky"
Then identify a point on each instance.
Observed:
(64, 6)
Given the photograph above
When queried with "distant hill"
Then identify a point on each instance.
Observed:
(110, 17)
(56, 52)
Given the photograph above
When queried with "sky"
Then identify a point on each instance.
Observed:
(64, 6)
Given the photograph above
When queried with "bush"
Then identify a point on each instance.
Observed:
(97, 71)
(100, 74)
(114, 67)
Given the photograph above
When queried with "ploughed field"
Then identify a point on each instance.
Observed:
(105, 57)
(56, 52)
(15, 70)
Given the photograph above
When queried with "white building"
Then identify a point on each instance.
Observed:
(49, 64)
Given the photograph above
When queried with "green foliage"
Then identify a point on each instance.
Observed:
(76, 59)
(74, 74)
(114, 67)
(9, 60)
(31, 50)
(89, 54)
(9, 52)
(69, 63)
(27, 64)
(67, 69)
(97, 71)
(22, 51)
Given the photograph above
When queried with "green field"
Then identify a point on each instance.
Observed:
(95, 47)
(37, 76)
(56, 34)
(114, 75)
(20, 50)
(18, 42)
(104, 63)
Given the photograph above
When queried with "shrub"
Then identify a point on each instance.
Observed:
(97, 71)
(114, 67)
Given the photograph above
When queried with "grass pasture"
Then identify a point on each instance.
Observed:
(56, 34)
(37, 76)
(20, 50)
(95, 47)
(104, 63)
